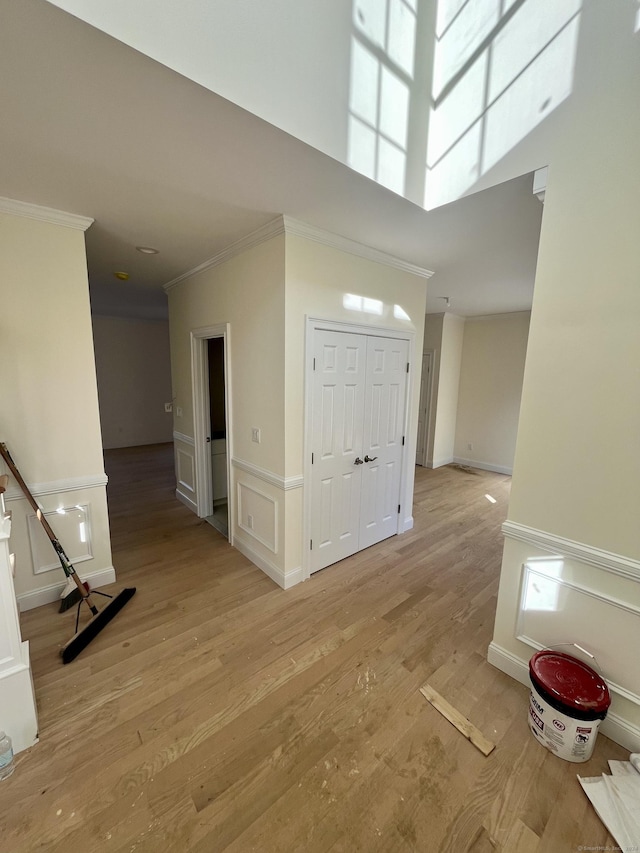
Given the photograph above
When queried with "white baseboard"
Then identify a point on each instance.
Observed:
(614, 726)
(484, 466)
(509, 663)
(187, 501)
(285, 581)
(438, 463)
(47, 594)
(408, 524)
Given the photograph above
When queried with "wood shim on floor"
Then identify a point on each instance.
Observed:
(455, 717)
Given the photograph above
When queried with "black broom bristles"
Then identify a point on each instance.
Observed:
(93, 627)
(72, 597)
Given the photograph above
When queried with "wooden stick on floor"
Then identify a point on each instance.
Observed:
(455, 717)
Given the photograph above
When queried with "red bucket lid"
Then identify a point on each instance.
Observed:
(570, 681)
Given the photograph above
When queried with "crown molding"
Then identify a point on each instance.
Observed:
(351, 247)
(44, 214)
(540, 178)
(287, 225)
(261, 235)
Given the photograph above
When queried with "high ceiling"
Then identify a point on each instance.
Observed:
(92, 127)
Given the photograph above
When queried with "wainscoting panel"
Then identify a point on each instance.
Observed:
(72, 526)
(258, 516)
(185, 464)
(556, 608)
(555, 590)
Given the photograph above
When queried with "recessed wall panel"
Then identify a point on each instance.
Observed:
(257, 514)
(71, 526)
(186, 469)
(555, 610)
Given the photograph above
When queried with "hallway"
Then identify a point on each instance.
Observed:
(218, 712)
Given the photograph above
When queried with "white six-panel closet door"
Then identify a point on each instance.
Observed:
(359, 388)
(385, 390)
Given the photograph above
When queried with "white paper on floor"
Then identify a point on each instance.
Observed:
(616, 800)
(622, 768)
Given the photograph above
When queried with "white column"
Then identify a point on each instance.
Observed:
(17, 700)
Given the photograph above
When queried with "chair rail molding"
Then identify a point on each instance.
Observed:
(55, 487)
(284, 483)
(627, 567)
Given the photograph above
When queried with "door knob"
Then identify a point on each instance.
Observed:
(357, 461)
(370, 458)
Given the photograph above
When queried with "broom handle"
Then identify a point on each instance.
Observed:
(67, 565)
(18, 477)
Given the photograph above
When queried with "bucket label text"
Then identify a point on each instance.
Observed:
(536, 719)
(536, 705)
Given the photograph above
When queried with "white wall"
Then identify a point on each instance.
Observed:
(311, 69)
(283, 61)
(576, 485)
(133, 370)
(535, 57)
(493, 357)
(318, 70)
(247, 292)
(318, 277)
(50, 417)
(444, 333)
(265, 294)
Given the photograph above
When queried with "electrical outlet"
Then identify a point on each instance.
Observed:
(469, 446)
(250, 522)
(178, 411)
(168, 407)
(255, 435)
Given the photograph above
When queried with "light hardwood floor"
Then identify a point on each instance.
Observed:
(218, 712)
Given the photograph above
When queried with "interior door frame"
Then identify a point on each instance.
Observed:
(428, 393)
(202, 417)
(313, 324)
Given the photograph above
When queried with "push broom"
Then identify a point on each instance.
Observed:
(99, 618)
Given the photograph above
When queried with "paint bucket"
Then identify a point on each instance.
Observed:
(567, 703)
